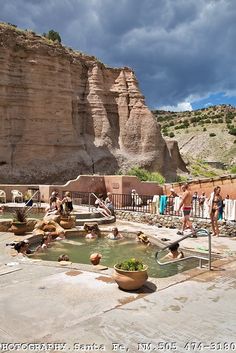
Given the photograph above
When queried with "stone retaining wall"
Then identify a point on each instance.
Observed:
(6, 224)
(227, 229)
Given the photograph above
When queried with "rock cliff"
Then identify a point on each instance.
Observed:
(64, 113)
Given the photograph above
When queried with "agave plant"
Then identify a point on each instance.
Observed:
(19, 215)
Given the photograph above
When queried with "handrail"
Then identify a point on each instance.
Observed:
(30, 208)
(105, 207)
(181, 260)
(198, 232)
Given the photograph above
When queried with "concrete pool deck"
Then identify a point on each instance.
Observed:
(44, 302)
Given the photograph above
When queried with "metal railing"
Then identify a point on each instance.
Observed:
(102, 208)
(33, 198)
(199, 232)
(166, 205)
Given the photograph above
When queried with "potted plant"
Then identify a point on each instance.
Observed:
(19, 223)
(66, 220)
(130, 274)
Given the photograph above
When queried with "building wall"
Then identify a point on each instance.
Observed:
(227, 184)
(118, 184)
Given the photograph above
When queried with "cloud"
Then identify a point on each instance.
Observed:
(180, 107)
(178, 48)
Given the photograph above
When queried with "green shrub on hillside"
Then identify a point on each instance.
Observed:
(212, 134)
(53, 35)
(157, 177)
(181, 179)
(233, 169)
(232, 131)
(144, 175)
(172, 134)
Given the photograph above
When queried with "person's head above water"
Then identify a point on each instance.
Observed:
(174, 247)
(115, 230)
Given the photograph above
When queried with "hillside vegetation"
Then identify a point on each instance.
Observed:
(206, 138)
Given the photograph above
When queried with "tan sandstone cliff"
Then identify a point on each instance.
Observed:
(64, 113)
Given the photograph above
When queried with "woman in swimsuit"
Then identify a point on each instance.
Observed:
(216, 205)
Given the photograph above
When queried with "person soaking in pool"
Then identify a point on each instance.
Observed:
(63, 257)
(142, 238)
(23, 248)
(174, 253)
(95, 258)
(45, 243)
(115, 235)
(92, 234)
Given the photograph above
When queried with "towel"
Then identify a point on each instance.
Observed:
(163, 203)
(177, 201)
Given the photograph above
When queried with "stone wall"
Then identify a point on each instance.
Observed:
(226, 229)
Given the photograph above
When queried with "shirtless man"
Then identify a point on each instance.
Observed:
(186, 205)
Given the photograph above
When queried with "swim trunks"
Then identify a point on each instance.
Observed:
(187, 210)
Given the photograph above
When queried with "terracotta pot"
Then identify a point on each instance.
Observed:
(130, 280)
(19, 228)
(67, 222)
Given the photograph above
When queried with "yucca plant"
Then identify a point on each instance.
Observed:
(20, 215)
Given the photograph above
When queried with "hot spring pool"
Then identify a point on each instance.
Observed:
(79, 250)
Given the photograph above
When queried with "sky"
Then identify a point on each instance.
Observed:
(183, 52)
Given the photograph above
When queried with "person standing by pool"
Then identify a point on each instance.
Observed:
(215, 206)
(186, 205)
(67, 202)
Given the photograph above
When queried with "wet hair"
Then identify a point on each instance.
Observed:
(139, 233)
(20, 245)
(115, 229)
(174, 247)
(63, 257)
(53, 199)
(217, 188)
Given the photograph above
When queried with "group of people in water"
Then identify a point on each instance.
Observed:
(65, 205)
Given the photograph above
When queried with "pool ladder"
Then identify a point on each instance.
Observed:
(200, 231)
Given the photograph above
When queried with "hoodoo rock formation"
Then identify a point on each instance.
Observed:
(64, 113)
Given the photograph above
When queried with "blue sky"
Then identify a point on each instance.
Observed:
(183, 51)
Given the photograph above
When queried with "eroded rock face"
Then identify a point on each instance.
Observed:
(64, 113)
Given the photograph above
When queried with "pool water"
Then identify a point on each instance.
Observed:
(79, 250)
